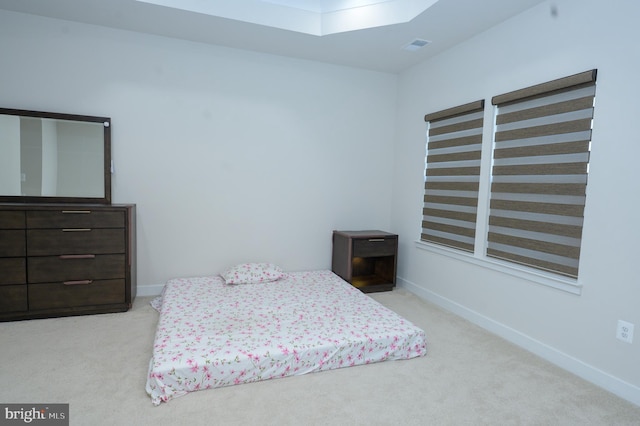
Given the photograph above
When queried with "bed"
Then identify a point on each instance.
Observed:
(213, 332)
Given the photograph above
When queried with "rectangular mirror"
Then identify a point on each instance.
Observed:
(52, 157)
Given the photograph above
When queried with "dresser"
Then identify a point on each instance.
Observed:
(366, 259)
(71, 259)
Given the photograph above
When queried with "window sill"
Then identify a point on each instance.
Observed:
(538, 277)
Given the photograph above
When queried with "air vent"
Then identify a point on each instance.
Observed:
(416, 44)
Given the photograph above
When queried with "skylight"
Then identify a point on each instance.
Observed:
(325, 6)
(315, 17)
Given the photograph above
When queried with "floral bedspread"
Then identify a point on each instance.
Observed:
(211, 334)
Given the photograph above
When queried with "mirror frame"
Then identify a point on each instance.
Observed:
(106, 199)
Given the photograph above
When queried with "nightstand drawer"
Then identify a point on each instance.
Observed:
(75, 218)
(46, 242)
(76, 267)
(374, 247)
(78, 294)
(12, 270)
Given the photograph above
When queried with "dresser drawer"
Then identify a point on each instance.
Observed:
(46, 242)
(76, 267)
(75, 218)
(12, 220)
(58, 295)
(13, 270)
(13, 298)
(12, 243)
(370, 247)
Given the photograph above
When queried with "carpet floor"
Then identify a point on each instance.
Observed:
(98, 365)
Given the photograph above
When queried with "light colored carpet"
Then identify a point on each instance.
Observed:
(98, 364)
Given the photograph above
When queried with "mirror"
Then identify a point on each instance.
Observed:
(52, 157)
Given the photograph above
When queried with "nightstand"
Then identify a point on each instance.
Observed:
(366, 259)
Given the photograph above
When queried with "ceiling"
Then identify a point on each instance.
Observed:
(332, 31)
(315, 17)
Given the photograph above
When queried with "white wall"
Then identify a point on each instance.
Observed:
(230, 156)
(575, 331)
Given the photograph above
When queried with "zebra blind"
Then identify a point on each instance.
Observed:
(452, 175)
(539, 174)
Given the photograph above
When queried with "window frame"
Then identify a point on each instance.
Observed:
(451, 181)
(479, 256)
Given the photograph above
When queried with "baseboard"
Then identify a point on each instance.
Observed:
(587, 372)
(149, 290)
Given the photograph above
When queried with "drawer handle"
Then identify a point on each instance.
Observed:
(376, 240)
(76, 211)
(77, 256)
(79, 282)
(76, 229)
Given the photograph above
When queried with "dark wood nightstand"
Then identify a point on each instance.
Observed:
(366, 259)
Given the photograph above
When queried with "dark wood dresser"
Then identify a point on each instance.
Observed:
(71, 259)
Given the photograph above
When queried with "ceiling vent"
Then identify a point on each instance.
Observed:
(416, 44)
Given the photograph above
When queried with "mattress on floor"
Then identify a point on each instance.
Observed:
(211, 334)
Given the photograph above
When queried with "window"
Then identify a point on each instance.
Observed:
(452, 176)
(539, 168)
(539, 174)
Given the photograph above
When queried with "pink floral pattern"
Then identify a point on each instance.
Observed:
(211, 334)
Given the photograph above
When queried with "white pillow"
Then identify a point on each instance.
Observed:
(252, 273)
